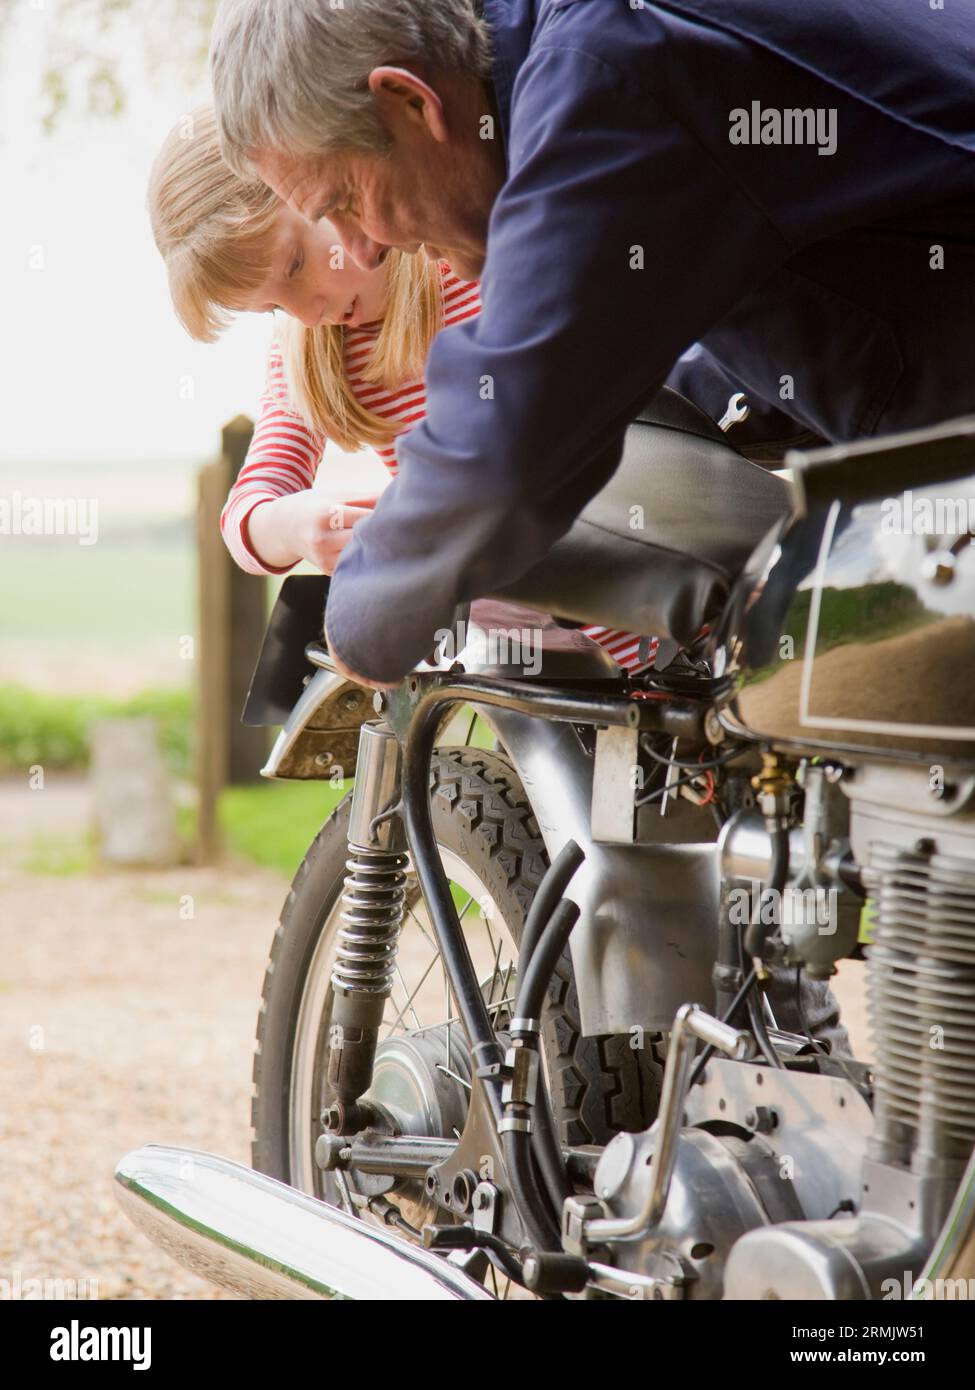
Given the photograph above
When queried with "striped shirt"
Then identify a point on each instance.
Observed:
(285, 453)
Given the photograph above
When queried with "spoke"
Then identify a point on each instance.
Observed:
(410, 998)
(446, 990)
(501, 1003)
(422, 928)
(409, 1001)
(454, 1077)
(507, 981)
(430, 1027)
(494, 968)
(494, 1279)
(490, 936)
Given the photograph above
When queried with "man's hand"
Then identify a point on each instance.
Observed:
(343, 670)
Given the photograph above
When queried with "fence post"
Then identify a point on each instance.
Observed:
(248, 745)
(232, 610)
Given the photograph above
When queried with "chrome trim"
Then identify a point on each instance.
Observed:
(265, 1240)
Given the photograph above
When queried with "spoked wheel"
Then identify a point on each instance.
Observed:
(494, 858)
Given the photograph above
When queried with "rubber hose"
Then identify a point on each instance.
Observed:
(550, 890)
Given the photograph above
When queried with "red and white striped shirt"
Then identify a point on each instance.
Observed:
(285, 453)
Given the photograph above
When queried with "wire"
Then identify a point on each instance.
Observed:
(680, 762)
(663, 791)
(726, 1017)
(815, 1042)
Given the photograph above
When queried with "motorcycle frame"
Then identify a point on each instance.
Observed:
(537, 725)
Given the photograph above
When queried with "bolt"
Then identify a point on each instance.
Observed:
(328, 1151)
(351, 700)
(762, 1119)
(323, 759)
(333, 1119)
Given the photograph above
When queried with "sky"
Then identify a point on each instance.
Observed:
(93, 364)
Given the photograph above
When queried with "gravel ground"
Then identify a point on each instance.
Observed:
(122, 1022)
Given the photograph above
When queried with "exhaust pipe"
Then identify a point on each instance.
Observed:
(263, 1239)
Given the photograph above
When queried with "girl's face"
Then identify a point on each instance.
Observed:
(314, 280)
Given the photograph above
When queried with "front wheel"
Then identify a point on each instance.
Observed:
(494, 858)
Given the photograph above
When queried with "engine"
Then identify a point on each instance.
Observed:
(828, 1179)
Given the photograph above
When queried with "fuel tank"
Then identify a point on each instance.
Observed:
(852, 629)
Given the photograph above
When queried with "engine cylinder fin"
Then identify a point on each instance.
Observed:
(921, 1000)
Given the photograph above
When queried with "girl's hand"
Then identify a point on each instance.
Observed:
(304, 526)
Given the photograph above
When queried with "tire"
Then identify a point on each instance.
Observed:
(482, 816)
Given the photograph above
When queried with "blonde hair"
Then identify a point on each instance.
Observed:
(214, 230)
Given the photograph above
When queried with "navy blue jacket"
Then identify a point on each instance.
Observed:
(632, 225)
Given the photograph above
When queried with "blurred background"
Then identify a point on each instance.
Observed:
(129, 981)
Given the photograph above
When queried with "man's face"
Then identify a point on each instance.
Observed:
(412, 197)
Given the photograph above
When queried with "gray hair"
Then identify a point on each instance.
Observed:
(292, 75)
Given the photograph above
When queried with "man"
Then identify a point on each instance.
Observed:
(791, 185)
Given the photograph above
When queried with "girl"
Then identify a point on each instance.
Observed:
(347, 361)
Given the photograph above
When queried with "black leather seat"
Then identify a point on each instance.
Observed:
(705, 508)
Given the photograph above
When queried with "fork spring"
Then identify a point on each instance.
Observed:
(373, 906)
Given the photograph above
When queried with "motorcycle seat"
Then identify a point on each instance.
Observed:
(656, 551)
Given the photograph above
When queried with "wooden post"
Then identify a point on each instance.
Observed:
(247, 744)
(213, 607)
(232, 610)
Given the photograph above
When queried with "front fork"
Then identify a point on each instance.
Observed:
(373, 906)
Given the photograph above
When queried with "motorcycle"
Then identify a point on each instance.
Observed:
(536, 1018)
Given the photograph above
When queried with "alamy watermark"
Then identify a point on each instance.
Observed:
(907, 1287)
(791, 125)
(908, 515)
(795, 907)
(16, 1288)
(75, 1342)
(496, 646)
(50, 516)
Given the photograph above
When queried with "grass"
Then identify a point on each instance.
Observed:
(269, 823)
(59, 855)
(273, 823)
(51, 730)
(118, 591)
(869, 613)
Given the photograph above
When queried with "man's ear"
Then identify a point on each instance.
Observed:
(402, 96)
